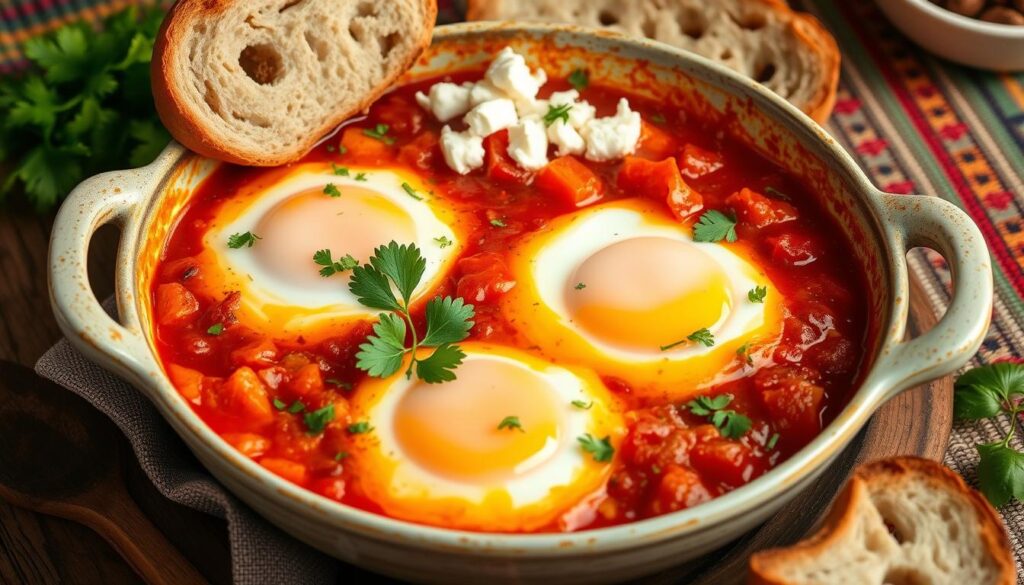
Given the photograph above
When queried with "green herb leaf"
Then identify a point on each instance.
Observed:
(757, 294)
(372, 288)
(774, 440)
(498, 223)
(1000, 473)
(296, 407)
(332, 190)
(556, 113)
(744, 353)
(580, 286)
(279, 404)
(714, 226)
(443, 242)
(244, 240)
(404, 265)
(1006, 379)
(976, 402)
(361, 177)
(332, 267)
(705, 405)
(731, 424)
(579, 79)
(382, 355)
(440, 366)
(216, 329)
(317, 420)
(703, 337)
(600, 449)
(583, 405)
(510, 422)
(339, 383)
(379, 132)
(340, 455)
(340, 171)
(411, 192)
(359, 428)
(448, 321)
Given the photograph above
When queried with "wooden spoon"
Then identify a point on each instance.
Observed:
(60, 456)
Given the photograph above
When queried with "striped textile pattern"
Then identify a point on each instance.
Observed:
(916, 124)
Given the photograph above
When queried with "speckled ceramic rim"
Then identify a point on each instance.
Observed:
(904, 222)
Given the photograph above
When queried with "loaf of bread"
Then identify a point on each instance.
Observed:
(260, 82)
(789, 52)
(900, 521)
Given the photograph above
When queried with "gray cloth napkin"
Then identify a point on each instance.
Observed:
(260, 553)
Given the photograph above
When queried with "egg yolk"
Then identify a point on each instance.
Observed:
(354, 223)
(452, 429)
(645, 293)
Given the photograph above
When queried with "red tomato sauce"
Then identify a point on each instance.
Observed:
(670, 459)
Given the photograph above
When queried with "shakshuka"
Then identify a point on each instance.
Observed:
(502, 302)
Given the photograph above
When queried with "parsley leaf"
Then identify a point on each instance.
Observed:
(556, 113)
(440, 366)
(601, 449)
(340, 171)
(744, 353)
(714, 226)
(774, 440)
(372, 288)
(448, 321)
(403, 265)
(317, 420)
(511, 422)
(361, 177)
(379, 132)
(331, 190)
(443, 242)
(583, 405)
(216, 329)
(244, 240)
(757, 294)
(704, 405)
(731, 424)
(498, 223)
(702, 336)
(580, 286)
(382, 355)
(332, 267)
(359, 428)
(411, 192)
(579, 79)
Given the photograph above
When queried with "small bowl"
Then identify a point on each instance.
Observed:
(965, 40)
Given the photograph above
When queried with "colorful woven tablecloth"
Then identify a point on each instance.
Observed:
(915, 123)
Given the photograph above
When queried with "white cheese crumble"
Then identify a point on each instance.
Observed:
(446, 101)
(462, 151)
(528, 144)
(566, 138)
(510, 73)
(483, 92)
(581, 111)
(613, 137)
(493, 116)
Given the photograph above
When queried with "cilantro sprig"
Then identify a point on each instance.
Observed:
(579, 79)
(556, 113)
(988, 392)
(399, 269)
(601, 449)
(511, 422)
(84, 107)
(380, 132)
(714, 226)
(331, 266)
(731, 424)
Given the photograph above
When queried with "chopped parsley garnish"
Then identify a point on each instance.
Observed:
(443, 242)
(510, 422)
(332, 190)
(703, 337)
(295, 408)
(342, 149)
(411, 192)
(757, 294)
(498, 223)
(244, 240)
(579, 79)
(772, 441)
(317, 420)
(658, 119)
(731, 424)
(583, 405)
(216, 329)
(279, 404)
(744, 353)
(714, 226)
(340, 171)
(400, 268)
(361, 177)
(556, 113)
(340, 455)
(339, 383)
(359, 428)
(332, 267)
(380, 132)
(601, 449)
(580, 286)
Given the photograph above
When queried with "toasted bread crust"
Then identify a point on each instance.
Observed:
(889, 473)
(188, 129)
(806, 28)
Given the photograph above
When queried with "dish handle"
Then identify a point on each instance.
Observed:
(110, 198)
(931, 222)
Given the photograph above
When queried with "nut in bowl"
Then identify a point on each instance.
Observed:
(324, 412)
(978, 33)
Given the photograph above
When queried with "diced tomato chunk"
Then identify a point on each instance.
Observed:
(570, 181)
(290, 470)
(793, 400)
(499, 164)
(402, 116)
(660, 180)
(223, 313)
(794, 249)
(175, 305)
(248, 444)
(180, 270)
(243, 395)
(485, 277)
(330, 487)
(188, 382)
(725, 461)
(259, 353)
(759, 211)
(680, 488)
(656, 143)
(422, 152)
(307, 382)
(358, 144)
(696, 162)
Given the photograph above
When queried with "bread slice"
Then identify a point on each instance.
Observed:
(765, 40)
(899, 521)
(259, 82)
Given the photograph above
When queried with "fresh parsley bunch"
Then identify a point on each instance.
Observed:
(85, 108)
(448, 320)
(986, 392)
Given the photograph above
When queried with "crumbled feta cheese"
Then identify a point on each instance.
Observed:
(493, 116)
(613, 137)
(581, 112)
(446, 101)
(510, 73)
(483, 92)
(528, 144)
(566, 138)
(462, 151)
(532, 108)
